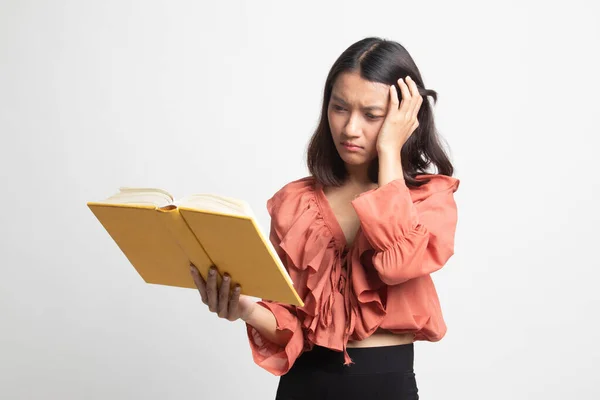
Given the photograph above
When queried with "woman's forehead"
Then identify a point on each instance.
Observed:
(352, 88)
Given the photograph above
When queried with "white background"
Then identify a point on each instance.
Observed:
(194, 97)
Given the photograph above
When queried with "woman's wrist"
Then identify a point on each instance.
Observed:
(263, 320)
(390, 167)
(248, 317)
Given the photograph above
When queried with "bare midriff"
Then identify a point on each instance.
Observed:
(383, 337)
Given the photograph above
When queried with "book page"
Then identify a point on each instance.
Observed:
(216, 203)
(142, 196)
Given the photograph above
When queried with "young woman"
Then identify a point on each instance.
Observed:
(360, 237)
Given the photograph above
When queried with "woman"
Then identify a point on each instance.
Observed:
(360, 237)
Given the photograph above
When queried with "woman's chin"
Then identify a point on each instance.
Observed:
(355, 160)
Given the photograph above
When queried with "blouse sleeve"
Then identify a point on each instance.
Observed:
(272, 357)
(410, 240)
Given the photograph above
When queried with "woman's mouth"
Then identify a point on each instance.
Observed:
(351, 147)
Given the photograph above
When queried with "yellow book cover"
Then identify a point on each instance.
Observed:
(161, 236)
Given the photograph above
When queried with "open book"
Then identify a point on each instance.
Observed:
(161, 236)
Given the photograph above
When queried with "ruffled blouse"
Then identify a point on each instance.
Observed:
(404, 235)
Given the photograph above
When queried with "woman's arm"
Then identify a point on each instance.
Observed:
(263, 320)
(390, 167)
(409, 240)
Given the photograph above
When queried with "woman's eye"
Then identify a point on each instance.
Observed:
(338, 108)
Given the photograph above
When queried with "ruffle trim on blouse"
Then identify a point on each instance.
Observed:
(317, 257)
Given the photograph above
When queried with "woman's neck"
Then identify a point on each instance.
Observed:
(357, 177)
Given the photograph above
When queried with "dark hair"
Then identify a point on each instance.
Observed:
(384, 61)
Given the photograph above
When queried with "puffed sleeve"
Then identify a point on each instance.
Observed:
(410, 239)
(272, 357)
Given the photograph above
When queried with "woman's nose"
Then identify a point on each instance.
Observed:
(352, 127)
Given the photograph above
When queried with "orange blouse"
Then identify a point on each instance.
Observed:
(404, 235)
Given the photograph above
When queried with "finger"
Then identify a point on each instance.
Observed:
(394, 99)
(416, 98)
(211, 289)
(224, 296)
(234, 302)
(406, 97)
(412, 86)
(417, 108)
(200, 284)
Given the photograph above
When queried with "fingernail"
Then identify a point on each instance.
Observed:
(226, 277)
(211, 271)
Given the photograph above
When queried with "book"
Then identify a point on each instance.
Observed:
(161, 236)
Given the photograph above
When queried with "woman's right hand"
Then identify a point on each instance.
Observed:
(226, 303)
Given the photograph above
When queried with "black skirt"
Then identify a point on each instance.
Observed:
(377, 373)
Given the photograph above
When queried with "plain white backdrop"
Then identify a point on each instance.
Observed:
(192, 97)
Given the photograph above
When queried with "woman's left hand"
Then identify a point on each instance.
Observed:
(401, 120)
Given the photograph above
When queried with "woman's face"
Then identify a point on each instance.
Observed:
(357, 109)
